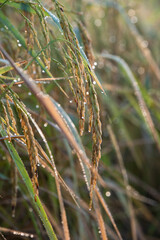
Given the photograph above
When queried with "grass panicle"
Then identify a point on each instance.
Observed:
(71, 73)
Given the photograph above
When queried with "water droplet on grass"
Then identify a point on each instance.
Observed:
(134, 19)
(108, 194)
(131, 12)
(144, 44)
(97, 22)
(45, 124)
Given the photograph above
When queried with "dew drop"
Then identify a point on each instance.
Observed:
(144, 44)
(134, 19)
(93, 67)
(108, 194)
(87, 93)
(95, 63)
(70, 101)
(131, 12)
(46, 17)
(94, 82)
(19, 45)
(43, 71)
(45, 124)
(29, 93)
(37, 106)
(141, 70)
(98, 22)
(30, 209)
(19, 85)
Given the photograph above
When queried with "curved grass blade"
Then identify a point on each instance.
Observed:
(6, 69)
(57, 114)
(22, 6)
(143, 107)
(21, 168)
(54, 20)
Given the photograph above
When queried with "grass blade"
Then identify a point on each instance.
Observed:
(144, 110)
(21, 168)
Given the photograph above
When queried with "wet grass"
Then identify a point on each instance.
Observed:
(79, 120)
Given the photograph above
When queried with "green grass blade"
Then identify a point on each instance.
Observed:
(21, 168)
(142, 104)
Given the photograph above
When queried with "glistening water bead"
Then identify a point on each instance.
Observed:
(108, 194)
(45, 124)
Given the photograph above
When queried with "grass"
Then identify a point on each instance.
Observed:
(79, 120)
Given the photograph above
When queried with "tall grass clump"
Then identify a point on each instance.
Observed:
(79, 120)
